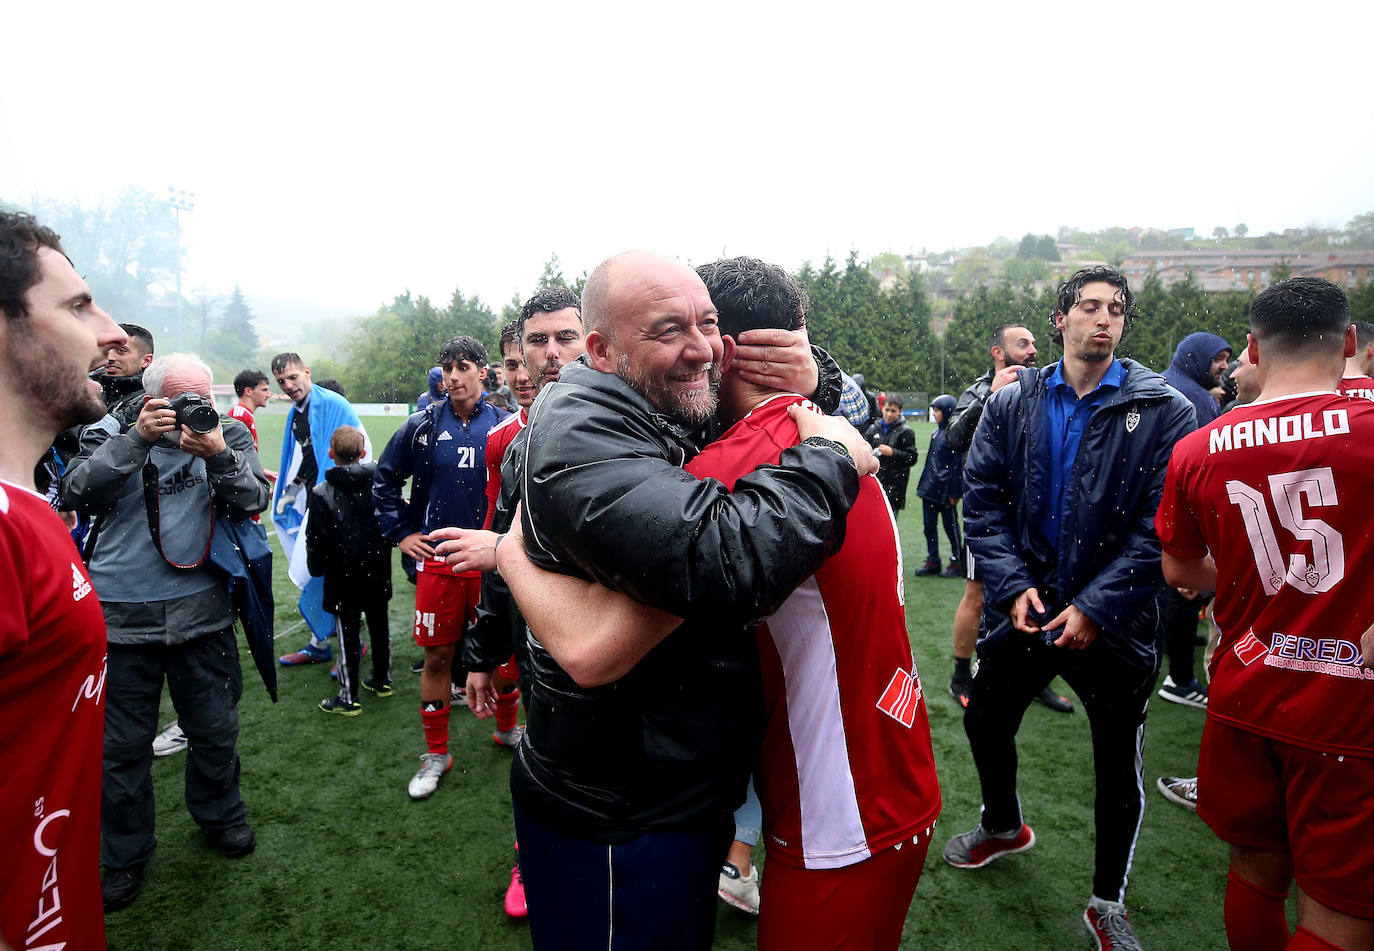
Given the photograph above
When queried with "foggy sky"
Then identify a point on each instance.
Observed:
(342, 158)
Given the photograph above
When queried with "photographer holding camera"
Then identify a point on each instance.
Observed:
(156, 489)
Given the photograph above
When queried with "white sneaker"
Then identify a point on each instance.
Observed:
(170, 740)
(510, 738)
(739, 890)
(433, 766)
(458, 694)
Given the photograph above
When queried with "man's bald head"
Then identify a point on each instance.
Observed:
(177, 373)
(650, 321)
(623, 284)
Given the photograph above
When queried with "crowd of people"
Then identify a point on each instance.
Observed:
(651, 524)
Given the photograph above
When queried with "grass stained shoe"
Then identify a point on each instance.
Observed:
(979, 847)
(433, 766)
(740, 891)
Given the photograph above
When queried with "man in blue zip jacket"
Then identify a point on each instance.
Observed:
(442, 450)
(1063, 479)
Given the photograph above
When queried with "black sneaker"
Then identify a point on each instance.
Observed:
(417, 666)
(931, 567)
(235, 841)
(121, 886)
(1056, 702)
(953, 570)
(381, 688)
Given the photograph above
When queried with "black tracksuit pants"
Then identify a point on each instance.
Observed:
(1114, 695)
(350, 639)
(1180, 633)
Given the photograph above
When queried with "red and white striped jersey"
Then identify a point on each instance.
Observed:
(846, 768)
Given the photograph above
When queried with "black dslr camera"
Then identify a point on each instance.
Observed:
(194, 412)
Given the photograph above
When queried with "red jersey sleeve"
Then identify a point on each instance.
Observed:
(1176, 522)
(496, 451)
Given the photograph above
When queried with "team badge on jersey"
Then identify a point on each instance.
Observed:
(902, 697)
(1250, 649)
(1132, 419)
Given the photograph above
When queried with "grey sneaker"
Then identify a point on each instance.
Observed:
(509, 738)
(170, 740)
(741, 891)
(979, 847)
(433, 766)
(1110, 928)
(1181, 791)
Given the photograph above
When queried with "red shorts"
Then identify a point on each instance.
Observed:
(1260, 793)
(832, 909)
(444, 604)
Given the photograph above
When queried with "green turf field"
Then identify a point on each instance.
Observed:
(346, 859)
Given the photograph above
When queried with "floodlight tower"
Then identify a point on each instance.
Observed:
(180, 200)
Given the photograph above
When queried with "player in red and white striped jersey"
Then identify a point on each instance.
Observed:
(52, 631)
(1266, 507)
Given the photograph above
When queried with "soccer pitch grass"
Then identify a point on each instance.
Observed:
(346, 859)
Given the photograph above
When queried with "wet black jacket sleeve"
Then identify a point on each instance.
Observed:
(606, 498)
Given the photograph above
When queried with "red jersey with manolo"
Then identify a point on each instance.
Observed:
(52, 728)
(1278, 492)
(498, 441)
(846, 769)
(1361, 386)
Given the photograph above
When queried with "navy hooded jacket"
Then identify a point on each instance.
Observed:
(1188, 373)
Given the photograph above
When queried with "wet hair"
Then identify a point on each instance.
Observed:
(283, 360)
(894, 399)
(510, 334)
(21, 236)
(547, 300)
(141, 334)
(999, 333)
(463, 348)
(750, 294)
(155, 376)
(1304, 316)
(245, 380)
(1364, 333)
(346, 443)
(329, 383)
(1071, 292)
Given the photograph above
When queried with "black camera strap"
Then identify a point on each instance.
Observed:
(152, 501)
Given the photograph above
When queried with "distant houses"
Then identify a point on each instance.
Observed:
(1247, 270)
